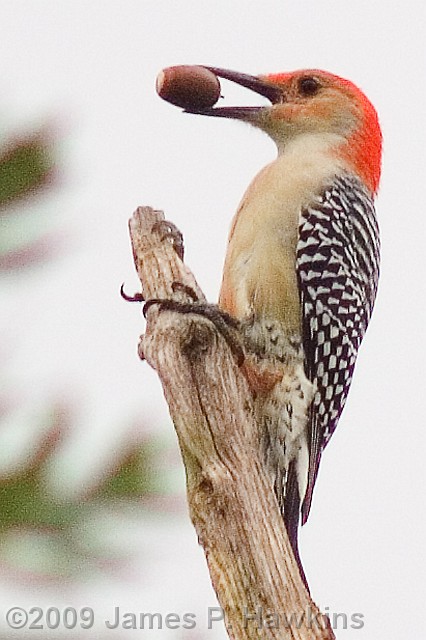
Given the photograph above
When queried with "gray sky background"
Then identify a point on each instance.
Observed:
(92, 65)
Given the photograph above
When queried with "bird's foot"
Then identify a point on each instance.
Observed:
(169, 231)
(227, 326)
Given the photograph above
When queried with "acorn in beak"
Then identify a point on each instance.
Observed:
(257, 84)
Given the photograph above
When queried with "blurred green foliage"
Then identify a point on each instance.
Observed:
(26, 498)
(44, 533)
(26, 167)
(41, 532)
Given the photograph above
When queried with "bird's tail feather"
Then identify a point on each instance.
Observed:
(290, 508)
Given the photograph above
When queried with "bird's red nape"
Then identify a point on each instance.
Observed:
(365, 146)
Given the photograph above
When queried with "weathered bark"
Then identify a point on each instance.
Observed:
(232, 505)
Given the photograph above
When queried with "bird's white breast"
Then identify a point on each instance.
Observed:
(259, 274)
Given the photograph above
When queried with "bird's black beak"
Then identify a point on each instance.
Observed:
(259, 85)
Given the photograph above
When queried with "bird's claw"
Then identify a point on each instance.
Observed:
(184, 288)
(174, 305)
(168, 230)
(137, 297)
(226, 325)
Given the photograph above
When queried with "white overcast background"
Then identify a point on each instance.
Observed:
(92, 66)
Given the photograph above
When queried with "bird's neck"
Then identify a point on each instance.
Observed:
(308, 161)
(259, 274)
(360, 153)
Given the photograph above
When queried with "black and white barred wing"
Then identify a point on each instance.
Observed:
(337, 265)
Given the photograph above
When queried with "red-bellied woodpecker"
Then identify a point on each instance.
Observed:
(302, 265)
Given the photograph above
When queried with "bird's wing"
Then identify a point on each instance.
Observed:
(337, 266)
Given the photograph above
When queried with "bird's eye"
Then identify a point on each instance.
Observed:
(308, 86)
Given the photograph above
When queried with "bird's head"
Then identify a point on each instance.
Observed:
(313, 102)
